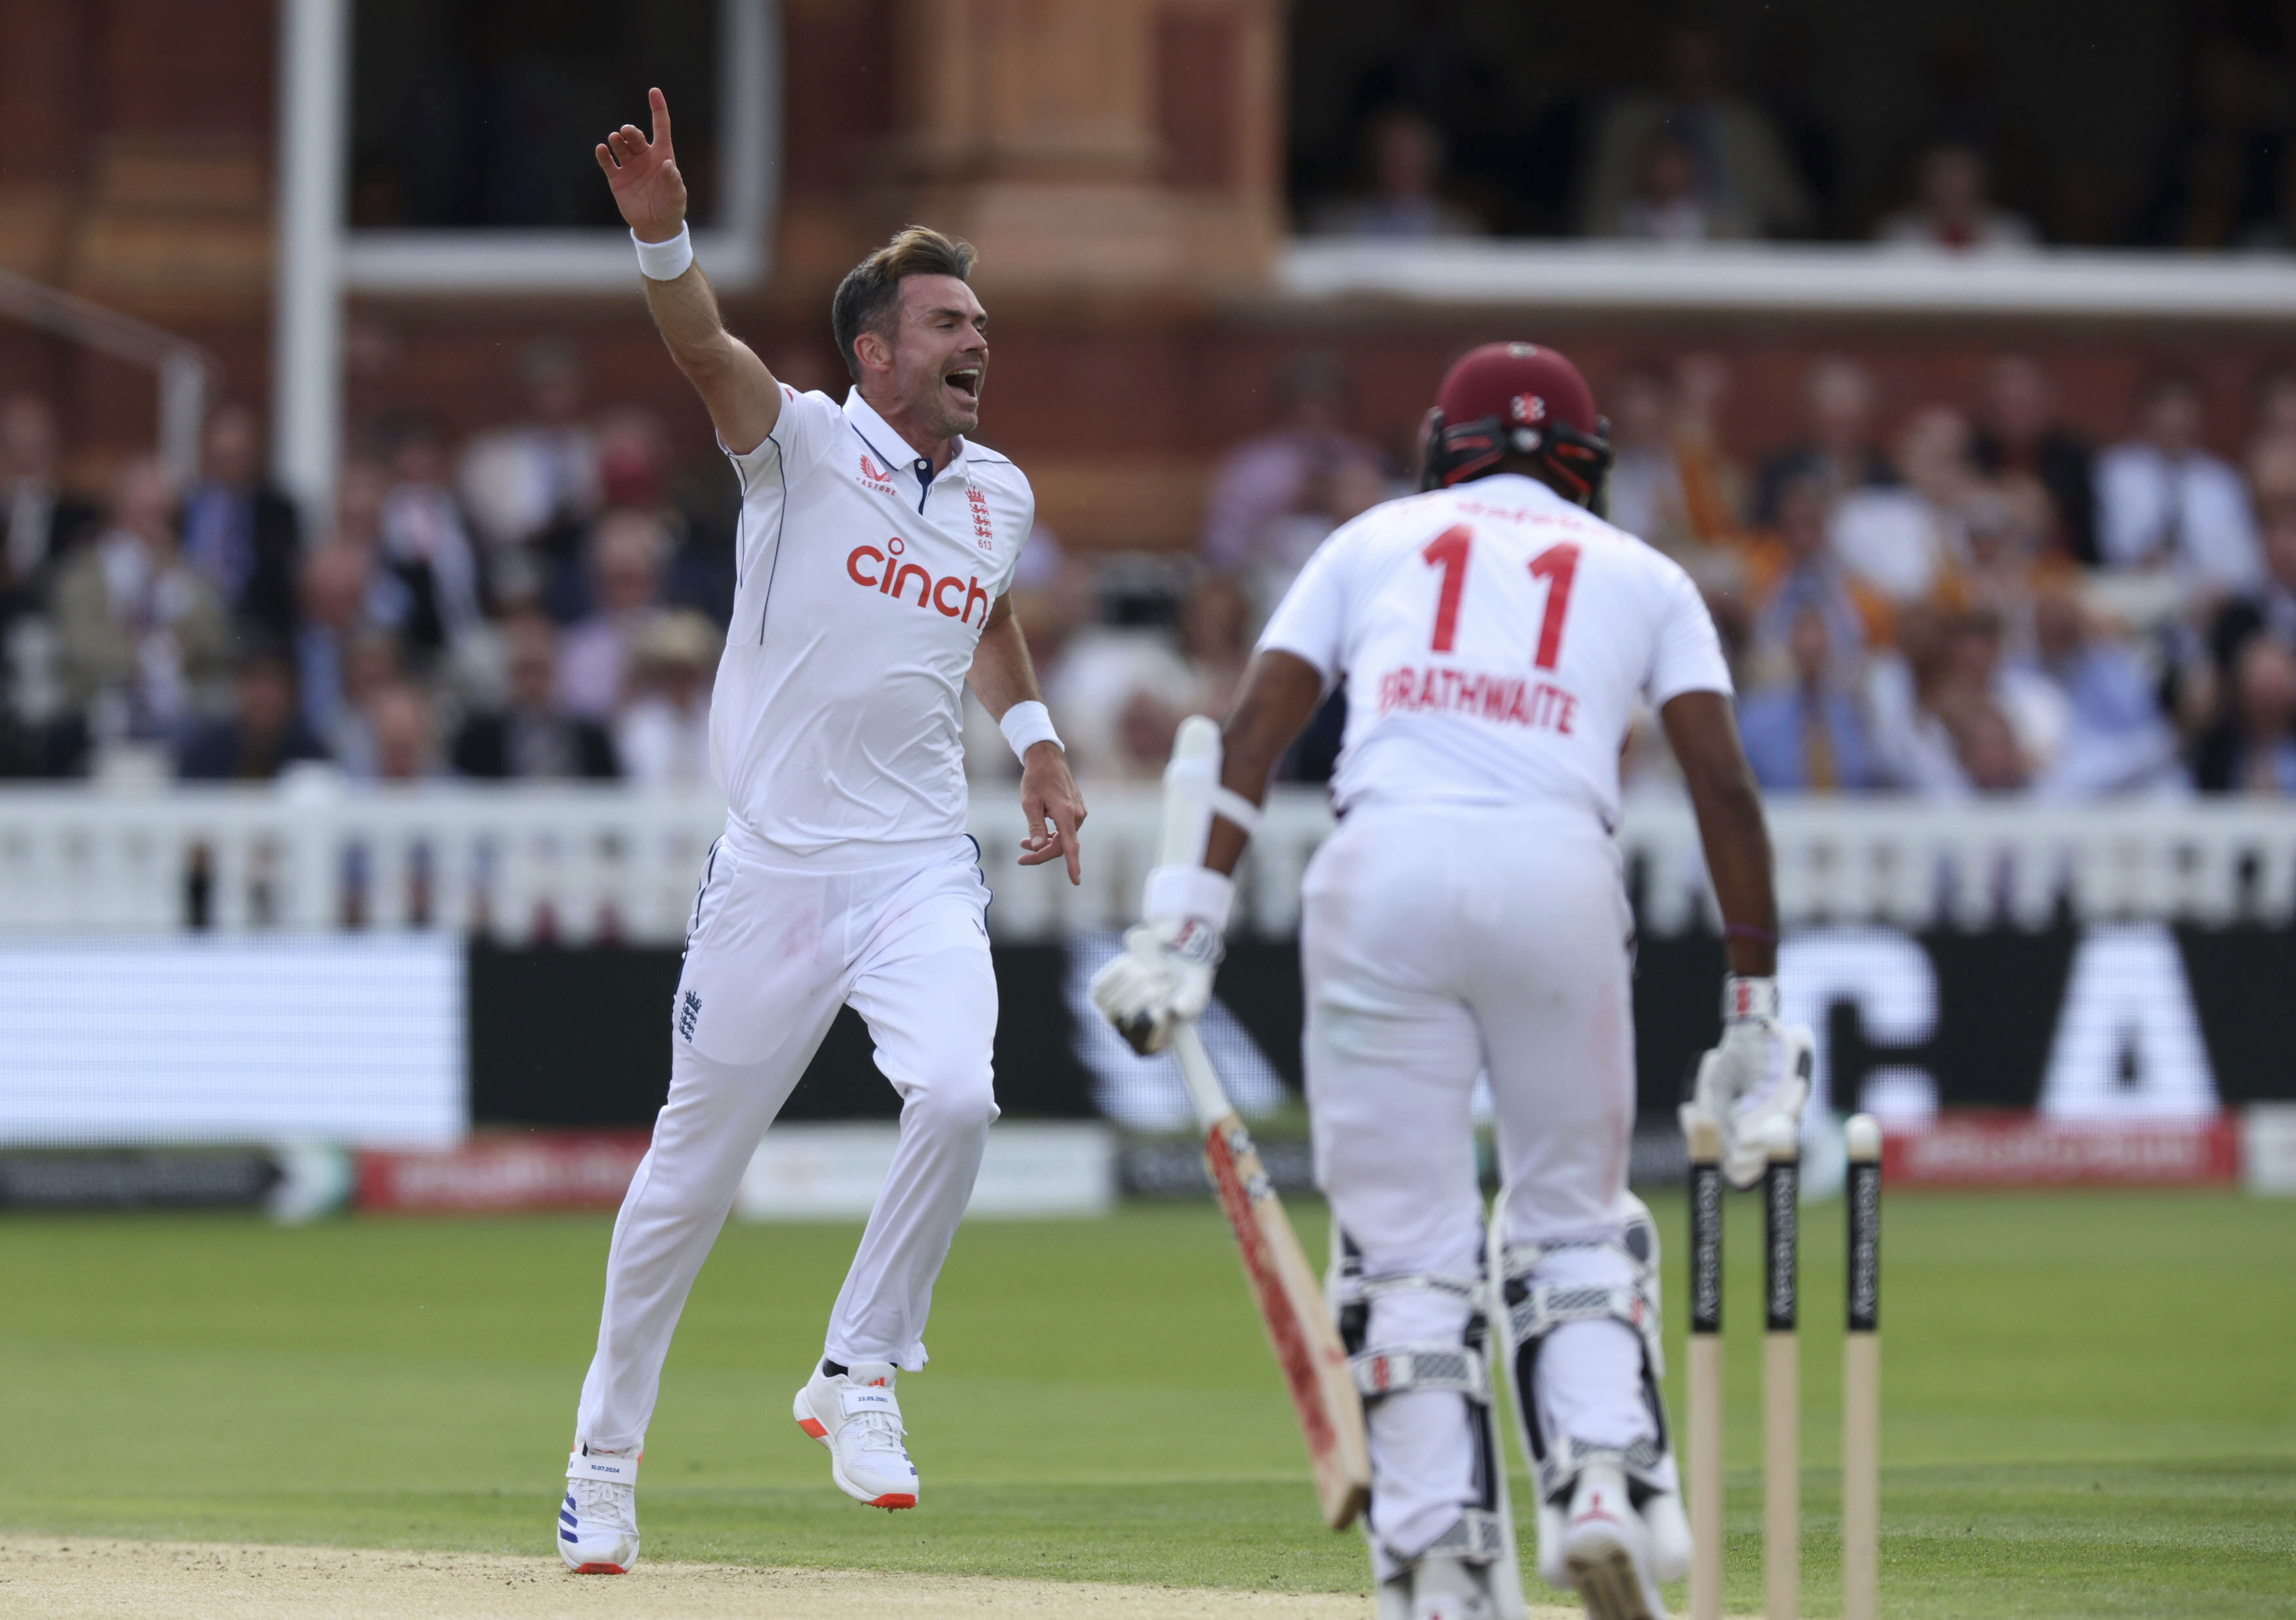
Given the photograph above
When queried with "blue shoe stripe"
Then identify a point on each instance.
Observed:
(567, 1535)
(569, 1520)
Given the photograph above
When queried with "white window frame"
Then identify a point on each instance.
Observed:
(737, 251)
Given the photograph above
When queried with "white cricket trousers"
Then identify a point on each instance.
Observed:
(775, 949)
(1440, 941)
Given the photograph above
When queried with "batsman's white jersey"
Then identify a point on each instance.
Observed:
(1495, 638)
(844, 877)
(1469, 915)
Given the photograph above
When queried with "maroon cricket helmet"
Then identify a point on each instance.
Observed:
(1507, 399)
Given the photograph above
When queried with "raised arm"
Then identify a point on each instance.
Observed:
(744, 400)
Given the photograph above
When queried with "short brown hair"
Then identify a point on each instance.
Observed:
(871, 288)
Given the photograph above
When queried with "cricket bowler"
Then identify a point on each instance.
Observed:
(876, 546)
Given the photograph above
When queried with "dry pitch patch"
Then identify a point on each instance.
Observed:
(85, 1578)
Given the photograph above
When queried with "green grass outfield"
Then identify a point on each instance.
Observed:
(2089, 1400)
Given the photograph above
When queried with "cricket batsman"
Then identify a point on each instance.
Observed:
(876, 545)
(1468, 915)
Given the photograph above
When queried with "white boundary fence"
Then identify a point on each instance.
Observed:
(574, 864)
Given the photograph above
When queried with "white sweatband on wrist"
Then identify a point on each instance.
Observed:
(1026, 725)
(1748, 997)
(665, 260)
(1196, 892)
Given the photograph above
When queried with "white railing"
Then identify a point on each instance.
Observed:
(577, 864)
(1784, 280)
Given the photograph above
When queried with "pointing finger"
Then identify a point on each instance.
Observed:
(1064, 817)
(660, 105)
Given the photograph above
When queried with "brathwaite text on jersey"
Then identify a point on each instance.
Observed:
(1506, 700)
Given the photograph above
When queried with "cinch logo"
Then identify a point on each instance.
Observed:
(951, 598)
(884, 480)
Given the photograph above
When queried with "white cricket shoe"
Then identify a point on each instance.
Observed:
(1451, 1589)
(598, 1521)
(1606, 1550)
(855, 1415)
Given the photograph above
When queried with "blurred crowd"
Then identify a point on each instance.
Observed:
(1663, 138)
(1977, 603)
(542, 601)
(1964, 598)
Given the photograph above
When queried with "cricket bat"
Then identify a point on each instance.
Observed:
(1291, 1300)
(1299, 1326)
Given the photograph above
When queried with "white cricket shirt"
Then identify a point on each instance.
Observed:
(1494, 638)
(863, 582)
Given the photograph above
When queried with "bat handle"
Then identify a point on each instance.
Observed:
(1203, 1080)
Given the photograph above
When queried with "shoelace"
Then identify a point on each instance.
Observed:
(880, 1432)
(604, 1502)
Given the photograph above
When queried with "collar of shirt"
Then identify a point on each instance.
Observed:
(894, 451)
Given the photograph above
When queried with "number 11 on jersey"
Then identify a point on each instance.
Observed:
(1558, 565)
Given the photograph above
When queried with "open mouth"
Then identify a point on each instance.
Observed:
(966, 382)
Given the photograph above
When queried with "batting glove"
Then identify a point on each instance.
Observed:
(1163, 976)
(1754, 1085)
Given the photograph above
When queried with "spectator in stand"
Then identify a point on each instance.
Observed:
(1098, 670)
(1906, 686)
(532, 738)
(1903, 540)
(626, 556)
(1404, 158)
(2270, 609)
(1276, 496)
(2037, 708)
(1643, 494)
(343, 597)
(1215, 635)
(2002, 569)
(2115, 739)
(1670, 484)
(2254, 749)
(1666, 206)
(2220, 180)
(145, 642)
(534, 483)
(2020, 437)
(1793, 574)
(1986, 748)
(2163, 502)
(265, 733)
(1951, 211)
(39, 521)
(2272, 399)
(1838, 448)
(1741, 172)
(426, 541)
(372, 663)
(661, 737)
(1809, 735)
(406, 748)
(240, 532)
